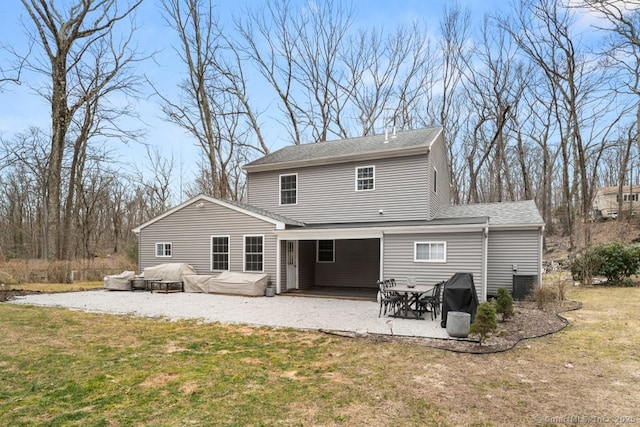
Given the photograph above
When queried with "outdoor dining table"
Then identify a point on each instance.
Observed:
(409, 300)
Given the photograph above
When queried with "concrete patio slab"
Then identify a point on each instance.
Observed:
(340, 315)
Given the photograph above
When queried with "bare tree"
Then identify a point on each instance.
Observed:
(215, 107)
(85, 63)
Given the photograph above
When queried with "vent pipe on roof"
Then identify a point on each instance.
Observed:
(394, 132)
(386, 135)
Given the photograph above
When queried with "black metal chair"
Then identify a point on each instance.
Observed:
(431, 302)
(388, 299)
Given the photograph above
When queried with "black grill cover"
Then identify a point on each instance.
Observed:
(459, 295)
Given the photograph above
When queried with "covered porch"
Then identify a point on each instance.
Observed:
(329, 263)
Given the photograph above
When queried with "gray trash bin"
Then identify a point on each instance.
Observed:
(458, 323)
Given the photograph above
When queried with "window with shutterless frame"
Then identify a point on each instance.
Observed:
(164, 249)
(220, 253)
(430, 251)
(289, 189)
(365, 178)
(253, 254)
(325, 251)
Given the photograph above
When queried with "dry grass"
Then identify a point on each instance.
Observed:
(60, 367)
(43, 271)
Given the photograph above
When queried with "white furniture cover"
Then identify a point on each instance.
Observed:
(170, 271)
(228, 282)
(119, 282)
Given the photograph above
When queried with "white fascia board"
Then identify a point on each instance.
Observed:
(373, 232)
(516, 227)
(329, 234)
(427, 229)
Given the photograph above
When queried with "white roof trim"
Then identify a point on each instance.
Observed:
(279, 225)
(373, 232)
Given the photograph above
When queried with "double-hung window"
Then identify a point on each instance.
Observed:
(219, 253)
(430, 252)
(325, 251)
(164, 250)
(254, 253)
(365, 178)
(289, 189)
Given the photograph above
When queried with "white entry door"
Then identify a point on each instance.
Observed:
(292, 264)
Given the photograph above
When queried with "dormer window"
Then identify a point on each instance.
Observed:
(289, 189)
(365, 178)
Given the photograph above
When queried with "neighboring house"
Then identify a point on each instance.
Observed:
(347, 213)
(606, 204)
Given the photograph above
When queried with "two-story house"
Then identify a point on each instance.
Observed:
(346, 213)
(606, 201)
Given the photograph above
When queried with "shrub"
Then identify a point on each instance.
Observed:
(544, 296)
(504, 304)
(485, 321)
(586, 266)
(615, 261)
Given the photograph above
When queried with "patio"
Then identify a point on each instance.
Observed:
(282, 311)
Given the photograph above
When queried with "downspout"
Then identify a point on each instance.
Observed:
(278, 266)
(485, 253)
(540, 254)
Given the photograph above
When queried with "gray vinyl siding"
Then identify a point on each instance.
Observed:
(357, 265)
(326, 194)
(464, 254)
(508, 247)
(190, 229)
(438, 161)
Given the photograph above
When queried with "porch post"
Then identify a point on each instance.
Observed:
(278, 264)
(381, 257)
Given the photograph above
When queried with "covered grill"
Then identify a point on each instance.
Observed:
(459, 295)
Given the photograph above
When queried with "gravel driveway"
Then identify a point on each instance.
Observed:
(280, 311)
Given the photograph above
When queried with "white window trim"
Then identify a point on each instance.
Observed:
(374, 178)
(415, 251)
(280, 189)
(333, 252)
(244, 253)
(163, 249)
(228, 251)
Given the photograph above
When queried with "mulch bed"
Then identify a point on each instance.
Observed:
(527, 322)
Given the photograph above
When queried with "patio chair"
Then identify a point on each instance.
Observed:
(387, 299)
(431, 302)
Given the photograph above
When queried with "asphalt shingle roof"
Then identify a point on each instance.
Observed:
(502, 213)
(350, 147)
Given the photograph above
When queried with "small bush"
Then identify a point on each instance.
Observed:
(615, 261)
(544, 296)
(485, 321)
(504, 304)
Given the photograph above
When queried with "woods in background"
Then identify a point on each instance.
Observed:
(538, 102)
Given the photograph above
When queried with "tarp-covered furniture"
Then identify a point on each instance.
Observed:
(169, 271)
(459, 295)
(119, 282)
(228, 282)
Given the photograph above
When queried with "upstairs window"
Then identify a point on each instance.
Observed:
(326, 251)
(220, 253)
(365, 178)
(253, 253)
(289, 189)
(164, 250)
(430, 252)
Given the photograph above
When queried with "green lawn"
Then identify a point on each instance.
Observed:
(68, 368)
